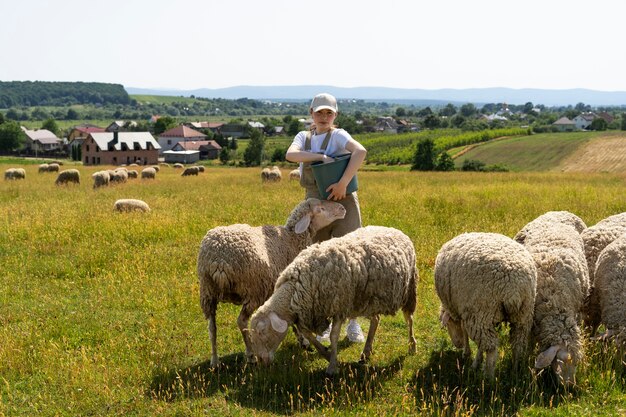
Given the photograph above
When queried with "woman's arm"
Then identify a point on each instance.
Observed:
(295, 154)
(338, 190)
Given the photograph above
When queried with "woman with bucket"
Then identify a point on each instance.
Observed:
(323, 144)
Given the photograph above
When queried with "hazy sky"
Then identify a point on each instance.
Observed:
(188, 44)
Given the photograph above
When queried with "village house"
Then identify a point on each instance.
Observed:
(120, 125)
(182, 133)
(209, 149)
(583, 120)
(213, 127)
(564, 125)
(234, 130)
(82, 131)
(118, 148)
(41, 140)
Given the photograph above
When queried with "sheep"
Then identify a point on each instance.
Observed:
(129, 204)
(483, 279)
(100, 179)
(200, 168)
(610, 287)
(15, 174)
(148, 173)
(240, 263)
(294, 175)
(133, 173)
(120, 175)
(562, 286)
(43, 168)
(368, 272)
(178, 165)
(190, 171)
(53, 167)
(271, 174)
(164, 164)
(596, 238)
(157, 168)
(67, 176)
(564, 217)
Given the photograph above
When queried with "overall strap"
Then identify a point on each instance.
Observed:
(307, 141)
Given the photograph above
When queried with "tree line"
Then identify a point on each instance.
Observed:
(45, 93)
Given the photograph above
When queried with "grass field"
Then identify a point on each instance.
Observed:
(99, 311)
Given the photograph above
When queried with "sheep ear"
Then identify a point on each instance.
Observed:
(278, 324)
(303, 224)
(546, 357)
(443, 318)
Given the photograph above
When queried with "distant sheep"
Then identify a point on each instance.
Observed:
(563, 217)
(190, 171)
(129, 204)
(200, 168)
(15, 174)
(148, 173)
(240, 263)
(294, 174)
(366, 273)
(100, 179)
(132, 173)
(43, 168)
(483, 279)
(271, 174)
(164, 164)
(157, 168)
(68, 176)
(178, 165)
(53, 167)
(120, 175)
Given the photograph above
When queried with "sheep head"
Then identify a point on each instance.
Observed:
(563, 363)
(455, 329)
(267, 331)
(320, 214)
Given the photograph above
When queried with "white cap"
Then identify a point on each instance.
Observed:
(324, 101)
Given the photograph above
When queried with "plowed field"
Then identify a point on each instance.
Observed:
(603, 154)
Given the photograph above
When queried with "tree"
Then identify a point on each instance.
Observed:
(400, 112)
(468, 110)
(224, 156)
(254, 152)
(278, 155)
(528, 107)
(444, 162)
(232, 144)
(72, 115)
(598, 124)
(1, 118)
(623, 121)
(425, 112)
(294, 127)
(10, 136)
(164, 123)
(51, 125)
(473, 165)
(424, 157)
(431, 122)
(449, 110)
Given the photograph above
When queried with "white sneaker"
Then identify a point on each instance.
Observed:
(325, 337)
(354, 332)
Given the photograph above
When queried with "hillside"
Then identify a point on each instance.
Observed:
(570, 152)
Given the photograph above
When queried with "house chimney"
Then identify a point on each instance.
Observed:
(113, 142)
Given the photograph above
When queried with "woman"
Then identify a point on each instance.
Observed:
(323, 143)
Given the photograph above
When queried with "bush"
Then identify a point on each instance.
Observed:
(473, 165)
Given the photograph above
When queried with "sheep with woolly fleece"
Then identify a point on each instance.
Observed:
(132, 173)
(200, 168)
(68, 176)
(178, 165)
(271, 174)
(42, 168)
(53, 167)
(294, 174)
(564, 217)
(483, 279)
(596, 238)
(190, 171)
(120, 175)
(365, 273)
(148, 173)
(562, 286)
(100, 179)
(157, 168)
(15, 174)
(610, 287)
(239, 263)
(131, 204)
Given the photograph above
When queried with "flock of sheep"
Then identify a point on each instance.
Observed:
(552, 277)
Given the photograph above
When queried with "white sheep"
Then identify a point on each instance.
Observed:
(15, 174)
(53, 167)
(200, 168)
(190, 171)
(67, 176)
(596, 238)
(610, 287)
(43, 168)
(100, 179)
(563, 217)
(148, 173)
(271, 174)
(483, 279)
(240, 263)
(178, 165)
(120, 175)
(132, 173)
(365, 273)
(294, 174)
(562, 286)
(130, 204)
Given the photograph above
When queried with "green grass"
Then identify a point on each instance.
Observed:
(99, 311)
(541, 152)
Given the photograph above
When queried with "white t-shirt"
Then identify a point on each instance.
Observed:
(336, 144)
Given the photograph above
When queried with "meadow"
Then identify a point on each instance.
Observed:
(99, 311)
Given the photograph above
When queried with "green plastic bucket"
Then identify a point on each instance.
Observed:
(329, 173)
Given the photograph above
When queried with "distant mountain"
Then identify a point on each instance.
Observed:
(405, 95)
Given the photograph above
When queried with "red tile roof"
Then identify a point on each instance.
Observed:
(182, 132)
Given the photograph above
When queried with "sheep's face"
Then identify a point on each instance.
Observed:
(321, 214)
(455, 329)
(264, 338)
(562, 361)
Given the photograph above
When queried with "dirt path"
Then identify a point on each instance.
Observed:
(602, 154)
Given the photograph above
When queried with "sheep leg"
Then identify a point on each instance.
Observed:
(367, 349)
(478, 360)
(408, 318)
(519, 341)
(210, 309)
(490, 363)
(242, 322)
(323, 350)
(334, 339)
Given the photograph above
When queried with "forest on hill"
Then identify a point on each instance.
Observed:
(44, 93)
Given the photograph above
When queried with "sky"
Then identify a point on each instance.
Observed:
(191, 44)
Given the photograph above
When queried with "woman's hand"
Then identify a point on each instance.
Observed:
(337, 191)
(326, 159)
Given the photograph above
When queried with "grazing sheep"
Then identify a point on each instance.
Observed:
(120, 175)
(132, 173)
(67, 176)
(365, 273)
(157, 168)
(190, 171)
(130, 204)
(200, 168)
(596, 238)
(178, 165)
(294, 174)
(53, 167)
(562, 286)
(15, 174)
(43, 168)
(148, 173)
(164, 164)
(271, 174)
(610, 287)
(100, 179)
(483, 279)
(240, 263)
(564, 217)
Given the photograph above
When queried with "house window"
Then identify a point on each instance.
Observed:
(169, 141)
(115, 160)
(87, 148)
